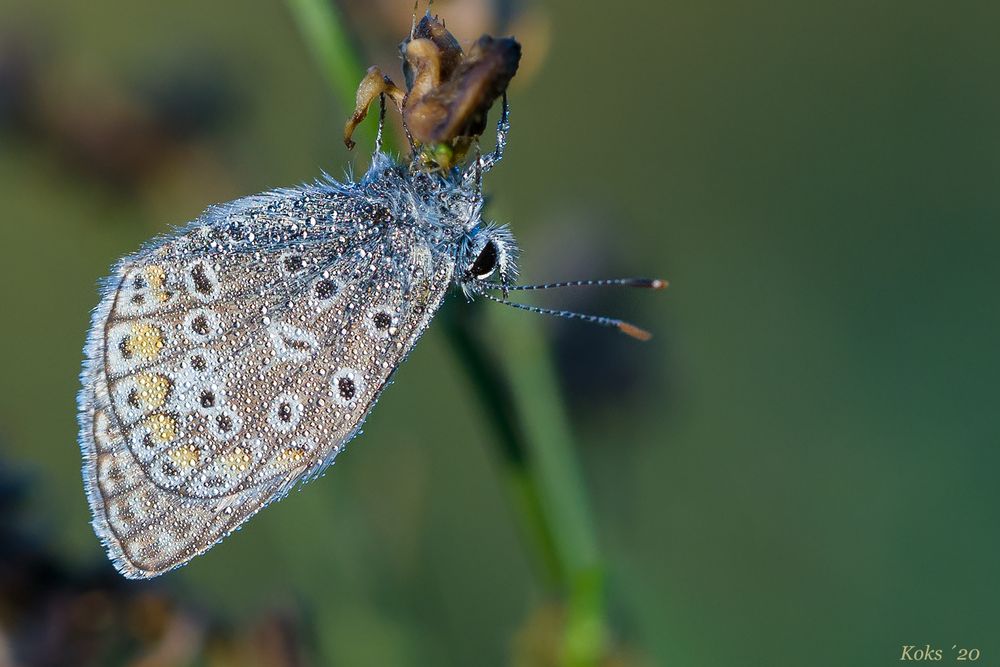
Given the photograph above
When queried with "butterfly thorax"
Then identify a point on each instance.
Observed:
(440, 207)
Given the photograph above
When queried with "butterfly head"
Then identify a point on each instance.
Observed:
(487, 259)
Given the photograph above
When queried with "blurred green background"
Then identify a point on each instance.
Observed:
(801, 468)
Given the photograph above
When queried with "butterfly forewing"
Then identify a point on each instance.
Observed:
(236, 358)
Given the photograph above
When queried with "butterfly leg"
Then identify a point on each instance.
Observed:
(484, 163)
(503, 127)
(381, 123)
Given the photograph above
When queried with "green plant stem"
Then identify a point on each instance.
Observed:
(324, 30)
(532, 431)
(494, 394)
(554, 469)
(542, 472)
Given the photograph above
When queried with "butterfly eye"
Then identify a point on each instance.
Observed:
(486, 263)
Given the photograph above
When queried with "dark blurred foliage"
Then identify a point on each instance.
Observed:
(113, 133)
(18, 79)
(55, 614)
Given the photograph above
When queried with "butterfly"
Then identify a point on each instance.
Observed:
(235, 358)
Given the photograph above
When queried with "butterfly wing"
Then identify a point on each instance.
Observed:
(236, 358)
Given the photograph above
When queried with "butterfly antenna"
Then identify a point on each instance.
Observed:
(625, 327)
(645, 283)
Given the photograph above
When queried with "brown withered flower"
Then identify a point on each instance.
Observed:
(448, 92)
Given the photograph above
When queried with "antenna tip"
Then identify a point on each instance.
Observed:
(648, 283)
(634, 331)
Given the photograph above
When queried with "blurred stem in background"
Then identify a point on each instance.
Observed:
(532, 431)
(328, 37)
(543, 474)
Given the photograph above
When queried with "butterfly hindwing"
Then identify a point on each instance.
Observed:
(232, 360)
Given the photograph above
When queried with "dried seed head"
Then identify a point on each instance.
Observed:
(449, 50)
(454, 111)
(448, 92)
